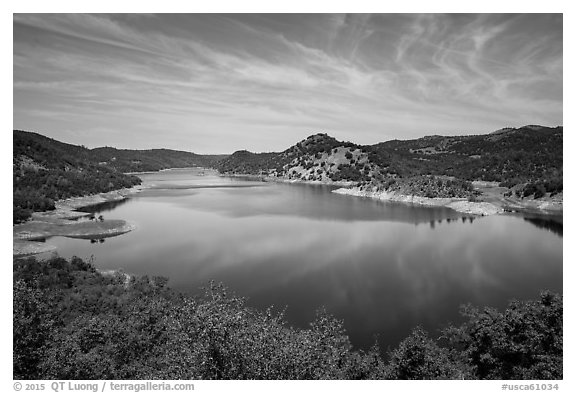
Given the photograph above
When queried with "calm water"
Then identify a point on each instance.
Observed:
(381, 267)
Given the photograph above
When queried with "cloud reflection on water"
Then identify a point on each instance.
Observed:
(380, 267)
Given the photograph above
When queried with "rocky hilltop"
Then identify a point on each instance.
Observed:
(516, 164)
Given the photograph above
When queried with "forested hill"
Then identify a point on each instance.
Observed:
(530, 156)
(528, 153)
(45, 170)
(150, 160)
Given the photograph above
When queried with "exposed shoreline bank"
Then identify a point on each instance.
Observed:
(490, 202)
(459, 204)
(64, 221)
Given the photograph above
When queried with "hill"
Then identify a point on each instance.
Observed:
(527, 158)
(45, 170)
(150, 160)
(528, 153)
(318, 158)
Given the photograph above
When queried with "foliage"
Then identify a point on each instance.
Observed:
(72, 322)
(45, 170)
(523, 342)
(419, 357)
(245, 162)
(348, 172)
(540, 188)
(427, 186)
(432, 187)
(524, 154)
(32, 327)
(92, 326)
(150, 160)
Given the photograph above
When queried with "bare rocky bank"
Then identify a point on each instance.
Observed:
(491, 201)
(64, 221)
(459, 204)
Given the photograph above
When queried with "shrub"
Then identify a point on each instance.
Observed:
(71, 322)
(540, 191)
(523, 342)
(418, 357)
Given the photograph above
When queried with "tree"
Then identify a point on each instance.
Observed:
(419, 357)
(523, 342)
(72, 322)
(32, 327)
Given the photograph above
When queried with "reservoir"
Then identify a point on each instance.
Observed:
(383, 268)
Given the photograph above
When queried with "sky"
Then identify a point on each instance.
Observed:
(216, 83)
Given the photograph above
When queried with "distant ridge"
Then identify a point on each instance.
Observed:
(126, 160)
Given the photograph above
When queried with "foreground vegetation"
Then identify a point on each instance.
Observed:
(72, 322)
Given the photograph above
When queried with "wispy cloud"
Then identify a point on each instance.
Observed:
(263, 82)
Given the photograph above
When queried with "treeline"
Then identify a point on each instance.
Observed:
(538, 189)
(426, 186)
(150, 160)
(36, 190)
(45, 170)
(72, 322)
(248, 163)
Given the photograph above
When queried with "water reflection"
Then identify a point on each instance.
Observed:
(552, 224)
(307, 201)
(448, 220)
(214, 193)
(103, 207)
(304, 247)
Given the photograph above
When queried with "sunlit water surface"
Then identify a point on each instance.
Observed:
(383, 268)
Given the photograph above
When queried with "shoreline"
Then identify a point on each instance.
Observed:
(461, 205)
(489, 203)
(63, 221)
(164, 170)
(274, 179)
